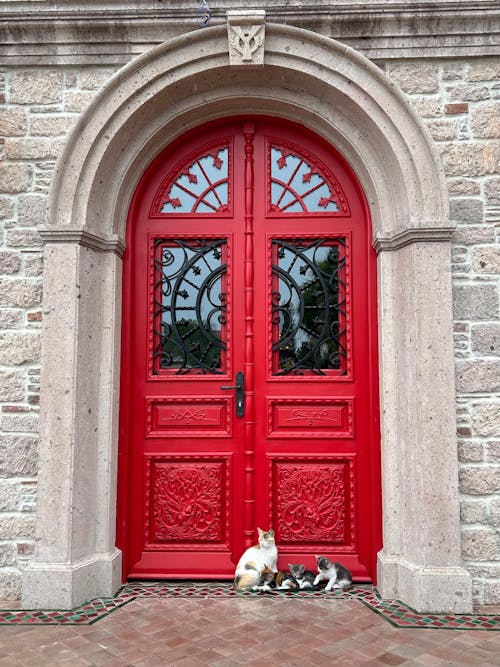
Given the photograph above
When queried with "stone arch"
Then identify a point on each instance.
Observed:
(350, 102)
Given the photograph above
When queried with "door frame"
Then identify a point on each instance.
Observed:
(351, 103)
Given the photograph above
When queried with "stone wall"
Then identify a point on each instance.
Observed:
(459, 102)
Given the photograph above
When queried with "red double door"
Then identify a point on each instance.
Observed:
(249, 356)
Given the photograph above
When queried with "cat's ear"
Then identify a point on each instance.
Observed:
(260, 531)
(270, 532)
(317, 558)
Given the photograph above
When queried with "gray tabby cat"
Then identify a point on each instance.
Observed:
(336, 574)
(305, 578)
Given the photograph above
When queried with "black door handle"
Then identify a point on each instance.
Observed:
(240, 393)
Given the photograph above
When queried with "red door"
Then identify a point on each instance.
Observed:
(249, 356)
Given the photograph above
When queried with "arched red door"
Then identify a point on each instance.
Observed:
(249, 391)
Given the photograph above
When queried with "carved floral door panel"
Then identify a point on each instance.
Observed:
(249, 266)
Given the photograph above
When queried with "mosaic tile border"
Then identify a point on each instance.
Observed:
(394, 612)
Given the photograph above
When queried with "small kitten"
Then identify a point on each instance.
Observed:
(335, 573)
(255, 559)
(305, 578)
(279, 581)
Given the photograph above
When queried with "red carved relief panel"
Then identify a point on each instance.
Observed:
(312, 418)
(188, 417)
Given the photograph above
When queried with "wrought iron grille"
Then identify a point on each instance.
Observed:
(190, 306)
(309, 306)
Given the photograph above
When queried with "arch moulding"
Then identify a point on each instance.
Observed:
(342, 96)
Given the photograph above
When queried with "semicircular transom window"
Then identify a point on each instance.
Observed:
(199, 185)
(299, 183)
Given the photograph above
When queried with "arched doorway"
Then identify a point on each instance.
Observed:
(249, 359)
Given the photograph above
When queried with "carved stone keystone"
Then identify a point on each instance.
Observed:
(246, 32)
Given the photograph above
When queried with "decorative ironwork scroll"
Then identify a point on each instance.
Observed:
(199, 186)
(309, 306)
(299, 184)
(190, 306)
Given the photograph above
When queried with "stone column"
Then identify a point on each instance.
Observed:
(75, 558)
(421, 559)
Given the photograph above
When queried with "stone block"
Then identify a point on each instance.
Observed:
(486, 259)
(492, 191)
(9, 495)
(6, 207)
(463, 186)
(477, 375)
(471, 159)
(480, 544)
(493, 452)
(32, 210)
(473, 510)
(94, 79)
(486, 419)
(485, 121)
(13, 122)
(17, 525)
(33, 264)
(466, 211)
(470, 451)
(494, 512)
(468, 93)
(442, 129)
(77, 101)
(10, 584)
(484, 69)
(36, 87)
(491, 592)
(475, 302)
(472, 235)
(8, 555)
(479, 481)
(20, 423)
(11, 386)
(416, 77)
(23, 238)
(53, 125)
(485, 338)
(32, 149)
(15, 178)
(453, 71)
(20, 292)
(10, 262)
(426, 107)
(19, 347)
(10, 319)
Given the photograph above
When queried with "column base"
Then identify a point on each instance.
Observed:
(67, 585)
(436, 590)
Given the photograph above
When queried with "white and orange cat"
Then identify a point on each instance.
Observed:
(255, 560)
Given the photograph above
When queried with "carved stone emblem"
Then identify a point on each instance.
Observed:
(246, 35)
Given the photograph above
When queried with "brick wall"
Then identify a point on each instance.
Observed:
(458, 101)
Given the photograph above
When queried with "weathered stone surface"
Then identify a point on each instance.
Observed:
(485, 338)
(9, 319)
(477, 480)
(20, 423)
(463, 186)
(36, 87)
(491, 592)
(33, 264)
(443, 129)
(17, 525)
(20, 292)
(9, 262)
(18, 456)
(475, 302)
(32, 210)
(493, 452)
(9, 496)
(426, 107)
(478, 375)
(94, 79)
(11, 386)
(8, 554)
(6, 207)
(28, 238)
(55, 125)
(19, 347)
(10, 584)
(15, 177)
(468, 93)
(13, 122)
(416, 77)
(473, 510)
(484, 70)
(479, 544)
(494, 512)
(471, 159)
(470, 451)
(486, 259)
(492, 191)
(471, 235)
(77, 101)
(453, 71)
(467, 211)
(485, 121)
(32, 149)
(486, 419)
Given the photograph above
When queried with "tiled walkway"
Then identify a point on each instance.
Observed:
(228, 630)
